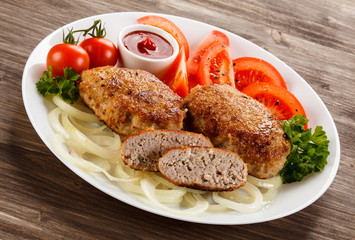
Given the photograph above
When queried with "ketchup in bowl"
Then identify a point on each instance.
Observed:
(147, 44)
(147, 47)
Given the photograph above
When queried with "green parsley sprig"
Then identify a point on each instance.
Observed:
(64, 86)
(309, 151)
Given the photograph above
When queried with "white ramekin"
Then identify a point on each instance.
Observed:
(155, 66)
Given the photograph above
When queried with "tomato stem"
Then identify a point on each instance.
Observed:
(69, 38)
(97, 31)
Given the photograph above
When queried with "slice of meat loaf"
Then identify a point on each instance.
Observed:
(142, 151)
(205, 168)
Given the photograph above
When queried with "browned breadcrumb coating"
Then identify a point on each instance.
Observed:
(235, 121)
(130, 100)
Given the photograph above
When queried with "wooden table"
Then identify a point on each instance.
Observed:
(40, 198)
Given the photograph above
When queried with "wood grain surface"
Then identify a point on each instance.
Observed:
(40, 198)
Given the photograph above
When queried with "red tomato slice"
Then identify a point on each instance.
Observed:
(281, 102)
(176, 77)
(212, 38)
(102, 52)
(169, 27)
(248, 70)
(192, 81)
(216, 66)
(65, 55)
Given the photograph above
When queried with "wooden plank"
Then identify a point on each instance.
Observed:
(40, 198)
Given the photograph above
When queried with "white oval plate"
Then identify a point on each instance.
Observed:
(291, 198)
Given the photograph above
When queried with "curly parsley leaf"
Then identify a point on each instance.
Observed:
(64, 86)
(309, 151)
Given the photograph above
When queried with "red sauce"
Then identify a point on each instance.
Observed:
(147, 44)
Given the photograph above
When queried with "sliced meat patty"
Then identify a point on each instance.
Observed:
(142, 151)
(236, 122)
(130, 100)
(205, 168)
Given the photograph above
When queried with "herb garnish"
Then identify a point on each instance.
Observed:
(309, 151)
(64, 86)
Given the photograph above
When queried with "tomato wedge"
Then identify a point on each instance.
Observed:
(281, 102)
(248, 70)
(216, 66)
(212, 38)
(176, 76)
(169, 27)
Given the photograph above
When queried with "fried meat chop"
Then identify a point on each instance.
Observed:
(130, 100)
(152, 144)
(205, 168)
(236, 122)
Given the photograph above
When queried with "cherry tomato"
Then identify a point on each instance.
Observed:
(169, 27)
(102, 52)
(176, 77)
(212, 38)
(281, 102)
(216, 66)
(67, 55)
(248, 70)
